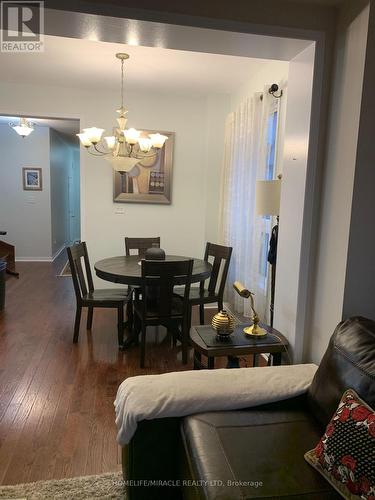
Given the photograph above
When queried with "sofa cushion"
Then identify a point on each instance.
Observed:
(257, 453)
(346, 451)
(349, 362)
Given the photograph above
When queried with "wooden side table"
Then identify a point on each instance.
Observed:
(205, 342)
(7, 252)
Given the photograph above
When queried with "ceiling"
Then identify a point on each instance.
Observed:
(91, 64)
(67, 127)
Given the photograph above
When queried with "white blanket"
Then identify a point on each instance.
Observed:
(178, 394)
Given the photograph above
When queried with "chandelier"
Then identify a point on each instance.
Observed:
(126, 147)
(23, 128)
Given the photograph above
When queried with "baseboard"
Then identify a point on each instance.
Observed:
(41, 259)
(34, 259)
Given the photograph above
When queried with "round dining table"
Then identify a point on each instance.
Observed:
(126, 269)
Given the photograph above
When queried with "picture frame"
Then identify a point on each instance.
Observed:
(32, 179)
(150, 181)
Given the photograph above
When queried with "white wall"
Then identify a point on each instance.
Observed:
(74, 196)
(181, 225)
(295, 164)
(327, 301)
(217, 107)
(25, 214)
(61, 158)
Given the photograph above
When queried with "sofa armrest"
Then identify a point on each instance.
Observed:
(178, 394)
(152, 456)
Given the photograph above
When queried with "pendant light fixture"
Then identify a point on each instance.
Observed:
(126, 147)
(23, 128)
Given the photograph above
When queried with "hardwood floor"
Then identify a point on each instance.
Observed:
(56, 398)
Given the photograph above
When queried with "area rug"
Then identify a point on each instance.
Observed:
(65, 271)
(102, 486)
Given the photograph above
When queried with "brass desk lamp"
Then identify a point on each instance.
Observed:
(255, 330)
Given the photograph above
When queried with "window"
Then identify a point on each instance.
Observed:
(270, 175)
(271, 145)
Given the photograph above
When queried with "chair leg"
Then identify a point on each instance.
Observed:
(137, 329)
(130, 315)
(90, 313)
(77, 323)
(201, 314)
(174, 338)
(188, 322)
(184, 341)
(143, 345)
(120, 325)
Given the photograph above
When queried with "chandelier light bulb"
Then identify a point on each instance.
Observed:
(157, 140)
(132, 135)
(93, 134)
(145, 144)
(84, 138)
(110, 141)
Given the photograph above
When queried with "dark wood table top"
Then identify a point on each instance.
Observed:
(239, 343)
(127, 269)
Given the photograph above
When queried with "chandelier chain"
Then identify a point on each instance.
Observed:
(122, 84)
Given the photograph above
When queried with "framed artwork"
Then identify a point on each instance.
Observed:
(150, 180)
(32, 179)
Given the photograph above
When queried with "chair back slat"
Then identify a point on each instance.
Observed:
(158, 281)
(82, 277)
(221, 260)
(140, 245)
(214, 274)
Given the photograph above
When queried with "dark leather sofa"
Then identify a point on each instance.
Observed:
(255, 453)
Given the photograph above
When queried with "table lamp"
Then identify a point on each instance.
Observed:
(254, 329)
(267, 202)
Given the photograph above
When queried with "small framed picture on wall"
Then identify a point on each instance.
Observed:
(32, 179)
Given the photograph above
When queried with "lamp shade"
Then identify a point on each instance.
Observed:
(110, 141)
(24, 128)
(131, 135)
(158, 140)
(267, 197)
(93, 134)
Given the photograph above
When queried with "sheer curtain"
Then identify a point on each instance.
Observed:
(246, 158)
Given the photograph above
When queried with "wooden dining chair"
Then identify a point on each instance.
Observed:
(159, 305)
(87, 296)
(140, 245)
(214, 293)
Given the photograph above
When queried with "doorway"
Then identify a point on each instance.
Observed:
(291, 314)
(40, 219)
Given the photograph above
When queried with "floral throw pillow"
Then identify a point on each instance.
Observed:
(345, 455)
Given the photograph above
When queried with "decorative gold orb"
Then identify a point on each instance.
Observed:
(223, 323)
